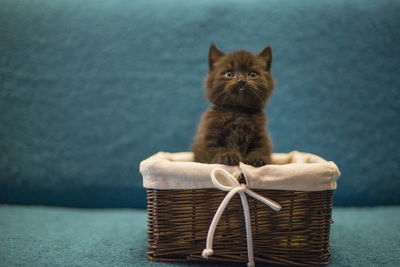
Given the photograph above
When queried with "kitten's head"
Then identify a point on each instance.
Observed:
(240, 78)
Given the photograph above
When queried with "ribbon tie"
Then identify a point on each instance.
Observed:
(225, 181)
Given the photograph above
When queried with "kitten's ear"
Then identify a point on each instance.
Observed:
(213, 55)
(266, 54)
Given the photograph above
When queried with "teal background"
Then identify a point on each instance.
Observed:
(88, 89)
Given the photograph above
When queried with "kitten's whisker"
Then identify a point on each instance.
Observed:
(224, 99)
(257, 95)
(220, 95)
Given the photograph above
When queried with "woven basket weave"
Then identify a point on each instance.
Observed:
(178, 221)
(186, 200)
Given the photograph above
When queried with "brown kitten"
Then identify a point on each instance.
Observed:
(233, 130)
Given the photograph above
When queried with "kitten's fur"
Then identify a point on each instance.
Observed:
(233, 130)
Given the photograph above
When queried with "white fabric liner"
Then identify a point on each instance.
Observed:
(297, 171)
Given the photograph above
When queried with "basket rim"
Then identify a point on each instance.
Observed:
(295, 171)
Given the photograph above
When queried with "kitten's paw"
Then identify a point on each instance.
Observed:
(257, 159)
(227, 158)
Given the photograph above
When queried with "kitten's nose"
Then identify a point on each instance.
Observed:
(241, 83)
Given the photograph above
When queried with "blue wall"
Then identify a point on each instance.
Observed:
(90, 88)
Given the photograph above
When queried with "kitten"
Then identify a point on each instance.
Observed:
(233, 130)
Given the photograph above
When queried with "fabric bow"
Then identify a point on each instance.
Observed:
(223, 180)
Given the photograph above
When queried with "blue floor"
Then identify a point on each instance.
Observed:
(46, 236)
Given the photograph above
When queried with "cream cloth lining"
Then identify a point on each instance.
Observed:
(288, 171)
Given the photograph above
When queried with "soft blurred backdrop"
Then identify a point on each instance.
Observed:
(88, 89)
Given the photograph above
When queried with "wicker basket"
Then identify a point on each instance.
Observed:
(179, 219)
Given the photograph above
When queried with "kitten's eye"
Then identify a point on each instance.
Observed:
(252, 74)
(229, 74)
